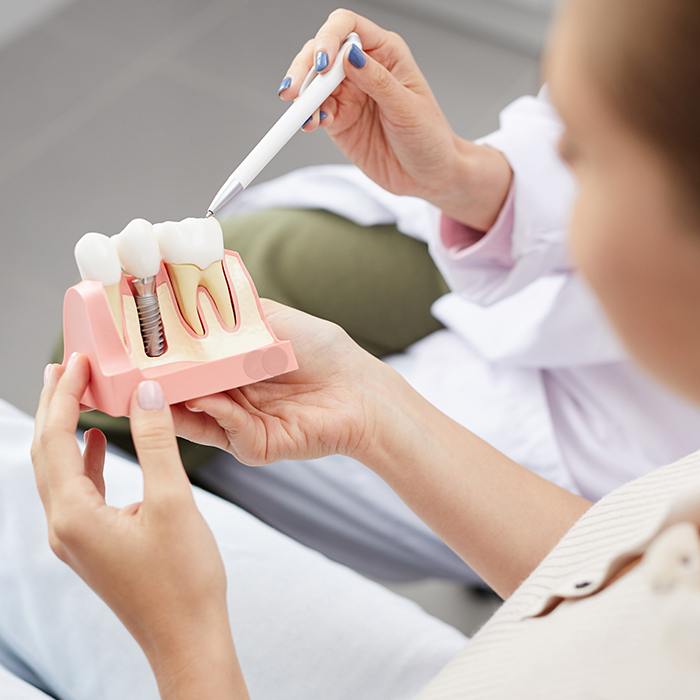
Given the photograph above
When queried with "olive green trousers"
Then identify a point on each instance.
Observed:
(373, 281)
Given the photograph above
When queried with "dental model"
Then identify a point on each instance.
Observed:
(211, 334)
(137, 246)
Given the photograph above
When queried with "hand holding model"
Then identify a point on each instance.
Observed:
(155, 563)
(344, 400)
(386, 120)
(327, 406)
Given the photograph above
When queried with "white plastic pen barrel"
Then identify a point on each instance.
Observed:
(314, 91)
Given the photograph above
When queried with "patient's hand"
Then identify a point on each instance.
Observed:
(344, 400)
(155, 563)
(327, 406)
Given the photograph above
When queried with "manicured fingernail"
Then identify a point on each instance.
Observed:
(307, 122)
(150, 396)
(48, 371)
(322, 115)
(321, 61)
(72, 360)
(284, 85)
(357, 57)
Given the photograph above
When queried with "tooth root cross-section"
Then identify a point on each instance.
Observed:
(187, 279)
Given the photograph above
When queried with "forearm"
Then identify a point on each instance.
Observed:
(479, 181)
(499, 517)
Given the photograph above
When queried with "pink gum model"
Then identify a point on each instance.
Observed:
(89, 328)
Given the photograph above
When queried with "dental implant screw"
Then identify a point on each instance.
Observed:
(150, 320)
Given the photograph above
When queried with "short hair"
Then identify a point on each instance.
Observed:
(649, 67)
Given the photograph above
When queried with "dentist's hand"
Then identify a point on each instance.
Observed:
(155, 563)
(327, 406)
(386, 120)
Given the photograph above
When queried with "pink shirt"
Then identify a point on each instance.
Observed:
(495, 245)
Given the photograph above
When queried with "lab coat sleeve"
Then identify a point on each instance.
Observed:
(520, 269)
(528, 241)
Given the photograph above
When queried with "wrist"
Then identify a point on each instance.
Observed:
(395, 419)
(477, 185)
(372, 379)
(196, 661)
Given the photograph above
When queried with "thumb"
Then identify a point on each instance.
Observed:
(374, 79)
(153, 433)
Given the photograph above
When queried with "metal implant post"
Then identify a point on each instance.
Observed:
(146, 298)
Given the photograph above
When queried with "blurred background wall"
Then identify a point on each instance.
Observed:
(518, 24)
(113, 109)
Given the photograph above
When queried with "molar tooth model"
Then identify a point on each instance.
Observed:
(193, 252)
(167, 302)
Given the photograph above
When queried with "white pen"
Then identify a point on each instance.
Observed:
(314, 91)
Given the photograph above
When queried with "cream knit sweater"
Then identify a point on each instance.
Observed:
(638, 637)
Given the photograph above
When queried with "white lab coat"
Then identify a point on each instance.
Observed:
(527, 359)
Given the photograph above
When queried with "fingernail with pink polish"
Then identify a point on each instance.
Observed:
(150, 396)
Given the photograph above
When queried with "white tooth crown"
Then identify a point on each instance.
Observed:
(97, 259)
(138, 249)
(191, 241)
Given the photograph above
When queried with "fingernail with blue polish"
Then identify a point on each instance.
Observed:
(322, 115)
(284, 85)
(321, 61)
(357, 57)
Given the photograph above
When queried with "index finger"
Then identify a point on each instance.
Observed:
(61, 422)
(340, 23)
(327, 41)
(52, 374)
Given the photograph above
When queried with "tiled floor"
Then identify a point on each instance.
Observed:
(112, 110)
